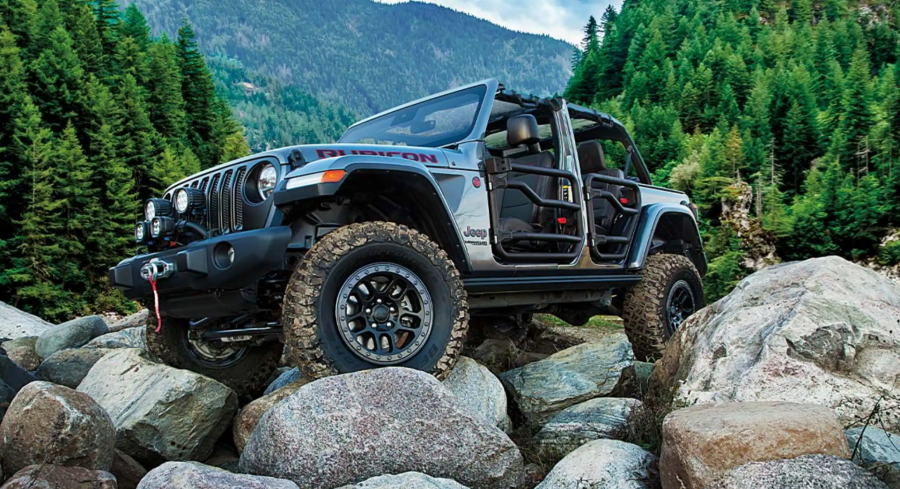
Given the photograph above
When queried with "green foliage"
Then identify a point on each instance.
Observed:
(890, 254)
(92, 120)
(798, 98)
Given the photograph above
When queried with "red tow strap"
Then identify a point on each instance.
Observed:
(156, 304)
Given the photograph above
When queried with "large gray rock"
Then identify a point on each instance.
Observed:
(480, 392)
(288, 377)
(16, 324)
(57, 477)
(879, 451)
(577, 374)
(191, 475)
(407, 480)
(136, 320)
(126, 338)
(70, 367)
(601, 418)
(21, 350)
(246, 420)
(604, 464)
(824, 331)
(348, 428)
(159, 412)
(809, 471)
(70, 334)
(52, 424)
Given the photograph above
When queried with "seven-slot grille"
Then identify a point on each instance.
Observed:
(224, 199)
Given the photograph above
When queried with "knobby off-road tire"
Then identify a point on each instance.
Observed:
(316, 341)
(645, 308)
(246, 373)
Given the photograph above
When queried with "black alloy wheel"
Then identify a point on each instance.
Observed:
(384, 313)
(680, 304)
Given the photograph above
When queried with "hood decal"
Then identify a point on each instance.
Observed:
(407, 155)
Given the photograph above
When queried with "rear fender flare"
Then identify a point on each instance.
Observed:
(652, 216)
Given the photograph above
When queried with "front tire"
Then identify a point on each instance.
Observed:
(654, 309)
(245, 369)
(374, 294)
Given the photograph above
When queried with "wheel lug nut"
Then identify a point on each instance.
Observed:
(368, 311)
(378, 301)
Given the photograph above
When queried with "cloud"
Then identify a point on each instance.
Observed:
(560, 19)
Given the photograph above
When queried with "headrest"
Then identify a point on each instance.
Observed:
(591, 157)
(522, 130)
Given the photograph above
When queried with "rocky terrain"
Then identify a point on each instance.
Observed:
(793, 380)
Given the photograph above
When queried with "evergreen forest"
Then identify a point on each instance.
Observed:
(797, 102)
(95, 116)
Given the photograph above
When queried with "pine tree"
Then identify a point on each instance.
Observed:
(857, 117)
(115, 233)
(135, 134)
(86, 40)
(802, 11)
(165, 104)
(59, 77)
(734, 152)
(134, 25)
(199, 96)
(49, 18)
(583, 85)
(79, 209)
(35, 267)
(106, 13)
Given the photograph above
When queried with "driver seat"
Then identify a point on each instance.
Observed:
(517, 213)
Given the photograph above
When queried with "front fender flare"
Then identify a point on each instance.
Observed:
(349, 164)
(450, 237)
(651, 216)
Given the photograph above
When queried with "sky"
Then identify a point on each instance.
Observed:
(559, 19)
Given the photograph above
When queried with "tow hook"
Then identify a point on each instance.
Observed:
(152, 271)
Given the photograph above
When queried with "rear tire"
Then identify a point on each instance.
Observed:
(654, 309)
(374, 294)
(245, 370)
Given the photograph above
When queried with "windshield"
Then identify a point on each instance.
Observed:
(432, 123)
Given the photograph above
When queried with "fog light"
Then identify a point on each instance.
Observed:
(161, 226)
(140, 232)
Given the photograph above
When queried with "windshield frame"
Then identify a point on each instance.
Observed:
(475, 131)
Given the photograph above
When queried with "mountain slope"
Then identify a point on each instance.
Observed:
(364, 55)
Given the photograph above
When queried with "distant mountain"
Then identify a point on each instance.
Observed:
(274, 114)
(363, 55)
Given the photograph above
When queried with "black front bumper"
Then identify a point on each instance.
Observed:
(256, 253)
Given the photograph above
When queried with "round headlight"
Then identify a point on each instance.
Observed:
(267, 179)
(181, 200)
(140, 232)
(157, 207)
(155, 227)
